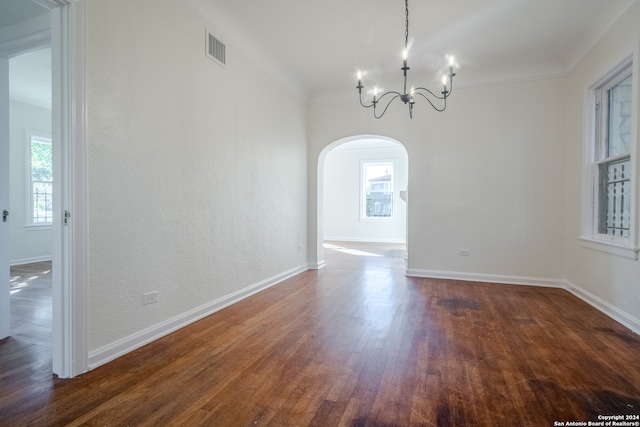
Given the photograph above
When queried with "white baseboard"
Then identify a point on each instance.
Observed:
(596, 302)
(363, 240)
(491, 278)
(125, 345)
(316, 265)
(30, 260)
(610, 310)
(118, 348)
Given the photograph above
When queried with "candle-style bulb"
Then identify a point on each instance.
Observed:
(359, 75)
(452, 60)
(405, 54)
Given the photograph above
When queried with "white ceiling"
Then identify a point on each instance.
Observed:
(315, 47)
(14, 11)
(29, 74)
(30, 78)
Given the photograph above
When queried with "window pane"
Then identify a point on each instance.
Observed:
(378, 187)
(619, 126)
(42, 202)
(615, 198)
(41, 180)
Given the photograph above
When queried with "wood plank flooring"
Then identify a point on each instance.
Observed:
(354, 344)
(31, 302)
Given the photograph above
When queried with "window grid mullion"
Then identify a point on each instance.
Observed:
(612, 174)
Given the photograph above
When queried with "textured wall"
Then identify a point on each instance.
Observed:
(27, 243)
(612, 278)
(196, 190)
(485, 175)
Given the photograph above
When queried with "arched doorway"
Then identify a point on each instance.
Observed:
(366, 184)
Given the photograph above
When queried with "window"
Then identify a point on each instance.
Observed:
(611, 174)
(40, 180)
(377, 189)
(613, 156)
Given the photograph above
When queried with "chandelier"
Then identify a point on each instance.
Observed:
(409, 97)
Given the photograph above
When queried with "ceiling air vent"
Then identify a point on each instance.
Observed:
(216, 50)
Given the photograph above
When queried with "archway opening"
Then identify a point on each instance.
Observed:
(362, 199)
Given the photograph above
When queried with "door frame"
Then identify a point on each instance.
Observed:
(70, 230)
(5, 297)
(70, 233)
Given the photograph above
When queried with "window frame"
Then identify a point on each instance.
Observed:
(595, 150)
(41, 137)
(363, 185)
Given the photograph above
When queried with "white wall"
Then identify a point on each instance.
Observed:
(196, 190)
(608, 279)
(485, 175)
(342, 174)
(28, 244)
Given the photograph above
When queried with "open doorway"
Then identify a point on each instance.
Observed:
(26, 192)
(61, 26)
(364, 211)
(31, 198)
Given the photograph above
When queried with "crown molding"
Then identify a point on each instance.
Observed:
(52, 4)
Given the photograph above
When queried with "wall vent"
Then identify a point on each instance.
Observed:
(216, 50)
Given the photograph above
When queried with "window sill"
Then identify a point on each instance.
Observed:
(43, 227)
(613, 248)
(377, 219)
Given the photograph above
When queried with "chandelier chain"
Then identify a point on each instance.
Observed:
(406, 24)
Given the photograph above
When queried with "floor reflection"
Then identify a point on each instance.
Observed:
(365, 255)
(31, 302)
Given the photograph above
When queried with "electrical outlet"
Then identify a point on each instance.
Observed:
(150, 297)
(464, 252)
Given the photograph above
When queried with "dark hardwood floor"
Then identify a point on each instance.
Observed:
(354, 344)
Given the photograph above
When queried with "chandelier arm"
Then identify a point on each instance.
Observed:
(365, 106)
(387, 106)
(397, 94)
(433, 94)
(391, 92)
(431, 102)
(450, 85)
